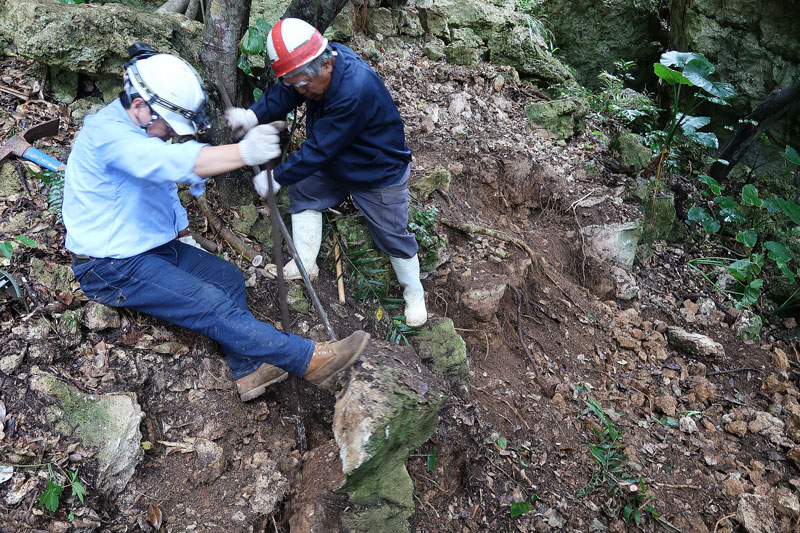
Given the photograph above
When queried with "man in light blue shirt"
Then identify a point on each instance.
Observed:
(129, 231)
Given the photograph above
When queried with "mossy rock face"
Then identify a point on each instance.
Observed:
(70, 327)
(385, 412)
(466, 48)
(444, 349)
(297, 301)
(93, 39)
(54, 276)
(63, 85)
(380, 519)
(438, 178)
(434, 48)
(247, 217)
(661, 220)
(562, 118)
(632, 153)
(262, 231)
(9, 180)
(109, 422)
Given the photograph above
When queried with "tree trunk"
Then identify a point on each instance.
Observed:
(318, 13)
(225, 23)
(764, 117)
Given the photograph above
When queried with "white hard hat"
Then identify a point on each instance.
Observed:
(292, 43)
(172, 88)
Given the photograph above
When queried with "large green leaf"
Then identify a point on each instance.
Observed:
(704, 139)
(254, 42)
(711, 183)
(690, 124)
(673, 58)
(6, 249)
(699, 214)
(747, 237)
(697, 71)
(750, 195)
(670, 76)
(790, 154)
(778, 252)
(790, 209)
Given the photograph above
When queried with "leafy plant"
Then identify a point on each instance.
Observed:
(55, 193)
(692, 71)
(628, 496)
(616, 102)
(765, 233)
(7, 248)
(51, 497)
(520, 508)
(253, 48)
(367, 289)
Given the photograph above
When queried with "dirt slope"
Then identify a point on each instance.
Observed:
(698, 433)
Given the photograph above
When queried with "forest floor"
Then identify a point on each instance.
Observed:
(706, 441)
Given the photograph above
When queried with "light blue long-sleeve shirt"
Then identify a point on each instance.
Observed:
(120, 192)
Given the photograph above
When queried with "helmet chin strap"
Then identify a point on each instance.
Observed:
(153, 118)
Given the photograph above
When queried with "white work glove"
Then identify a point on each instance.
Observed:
(261, 144)
(261, 183)
(240, 121)
(191, 242)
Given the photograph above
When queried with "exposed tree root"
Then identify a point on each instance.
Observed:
(236, 243)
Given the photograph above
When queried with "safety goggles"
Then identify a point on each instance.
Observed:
(298, 85)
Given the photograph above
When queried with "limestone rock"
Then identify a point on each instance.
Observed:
(748, 325)
(297, 301)
(388, 408)
(755, 513)
(666, 404)
(562, 118)
(480, 292)
(269, 489)
(69, 327)
(438, 178)
(440, 345)
(109, 422)
(54, 276)
(210, 462)
(97, 316)
(694, 344)
(93, 39)
(620, 29)
(9, 180)
(615, 243)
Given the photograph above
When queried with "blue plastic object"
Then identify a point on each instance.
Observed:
(42, 159)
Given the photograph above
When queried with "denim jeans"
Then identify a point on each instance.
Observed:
(199, 291)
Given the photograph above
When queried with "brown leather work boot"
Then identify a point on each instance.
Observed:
(330, 358)
(255, 383)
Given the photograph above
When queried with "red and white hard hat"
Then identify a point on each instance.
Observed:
(292, 43)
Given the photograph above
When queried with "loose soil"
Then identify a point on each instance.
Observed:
(520, 431)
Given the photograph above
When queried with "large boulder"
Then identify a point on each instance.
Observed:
(109, 422)
(93, 39)
(388, 409)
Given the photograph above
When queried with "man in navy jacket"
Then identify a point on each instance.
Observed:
(355, 146)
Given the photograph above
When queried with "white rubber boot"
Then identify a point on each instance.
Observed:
(407, 271)
(307, 236)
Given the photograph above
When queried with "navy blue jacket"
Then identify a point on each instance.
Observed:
(354, 134)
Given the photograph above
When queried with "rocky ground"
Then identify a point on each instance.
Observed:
(563, 375)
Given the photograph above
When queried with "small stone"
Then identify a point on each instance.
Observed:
(687, 425)
(666, 404)
(737, 427)
(780, 360)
